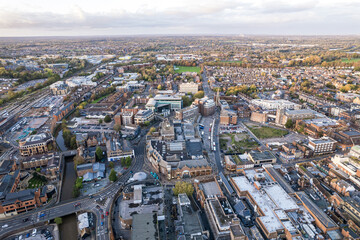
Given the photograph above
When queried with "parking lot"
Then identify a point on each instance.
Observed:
(50, 232)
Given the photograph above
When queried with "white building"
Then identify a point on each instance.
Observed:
(275, 104)
(189, 87)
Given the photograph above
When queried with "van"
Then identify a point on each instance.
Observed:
(34, 232)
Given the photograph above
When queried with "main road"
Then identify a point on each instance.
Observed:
(98, 204)
(215, 129)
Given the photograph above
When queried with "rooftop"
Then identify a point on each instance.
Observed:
(143, 227)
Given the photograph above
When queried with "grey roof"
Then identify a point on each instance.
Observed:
(23, 195)
(7, 183)
(194, 148)
(143, 227)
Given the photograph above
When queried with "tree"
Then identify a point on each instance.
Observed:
(152, 129)
(73, 144)
(77, 113)
(117, 127)
(123, 162)
(146, 123)
(100, 121)
(107, 119)
(38, 170)
(128, 161)
(159, 87)
(289, 123)
(183, 187)
(76, 192)
(58, 220)
(113, 175)
(186, 101)
(111, 164)
(99, 153)
(78, 183)
(78, 160)
(199, 94)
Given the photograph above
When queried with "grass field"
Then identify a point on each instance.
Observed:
(267, 132)
(240, 145)
(181, 69)
(345, 60)
(36, 182)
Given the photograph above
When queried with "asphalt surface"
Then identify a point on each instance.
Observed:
(215, 128)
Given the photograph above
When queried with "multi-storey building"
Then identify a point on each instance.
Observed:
(59, 88)
(143, 116)
(323, 145)
(207, 106)
(35, 144)
(228, 117)
(49, 164)
(275, 104)
(187, 113)
(283, 115)
(115, 151)
(127, 118)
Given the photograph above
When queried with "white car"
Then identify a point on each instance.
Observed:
(5, 226)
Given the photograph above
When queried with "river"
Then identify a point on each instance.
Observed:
(68, 229)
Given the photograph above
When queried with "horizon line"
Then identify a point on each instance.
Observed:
(187, 35)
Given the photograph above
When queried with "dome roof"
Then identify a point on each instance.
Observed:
(139, 176)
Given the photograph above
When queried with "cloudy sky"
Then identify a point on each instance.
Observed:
(129, 17)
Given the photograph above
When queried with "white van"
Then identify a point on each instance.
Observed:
(34, 231)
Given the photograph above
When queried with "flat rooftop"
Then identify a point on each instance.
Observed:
(279, 179)
(143, 227)
(269, 220)
(316, 211)
(210, 189)
(152, 198)
(280, 197)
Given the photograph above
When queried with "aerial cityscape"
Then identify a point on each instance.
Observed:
(145, 123)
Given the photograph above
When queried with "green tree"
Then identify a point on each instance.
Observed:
(76, 192)
(73, 144)
(183, 187)
(123, 162)
(289, 123)
(107, 119)
(79, 183)
(113, 175)
(186, 101)
(146, 123)
(99, 153)
(152, 129)
(128, 161)
(38, 170)
(100, 121)
(199, 94)
(159, 87)
(78, 160)
(111, 164)
(58, 220)
(77, 113)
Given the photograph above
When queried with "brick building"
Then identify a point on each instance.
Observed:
(35, 144)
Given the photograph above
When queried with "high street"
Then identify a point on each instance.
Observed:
(215, 128)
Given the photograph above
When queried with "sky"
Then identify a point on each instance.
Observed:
(183, 17)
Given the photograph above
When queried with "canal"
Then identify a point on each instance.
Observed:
(68, 229)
